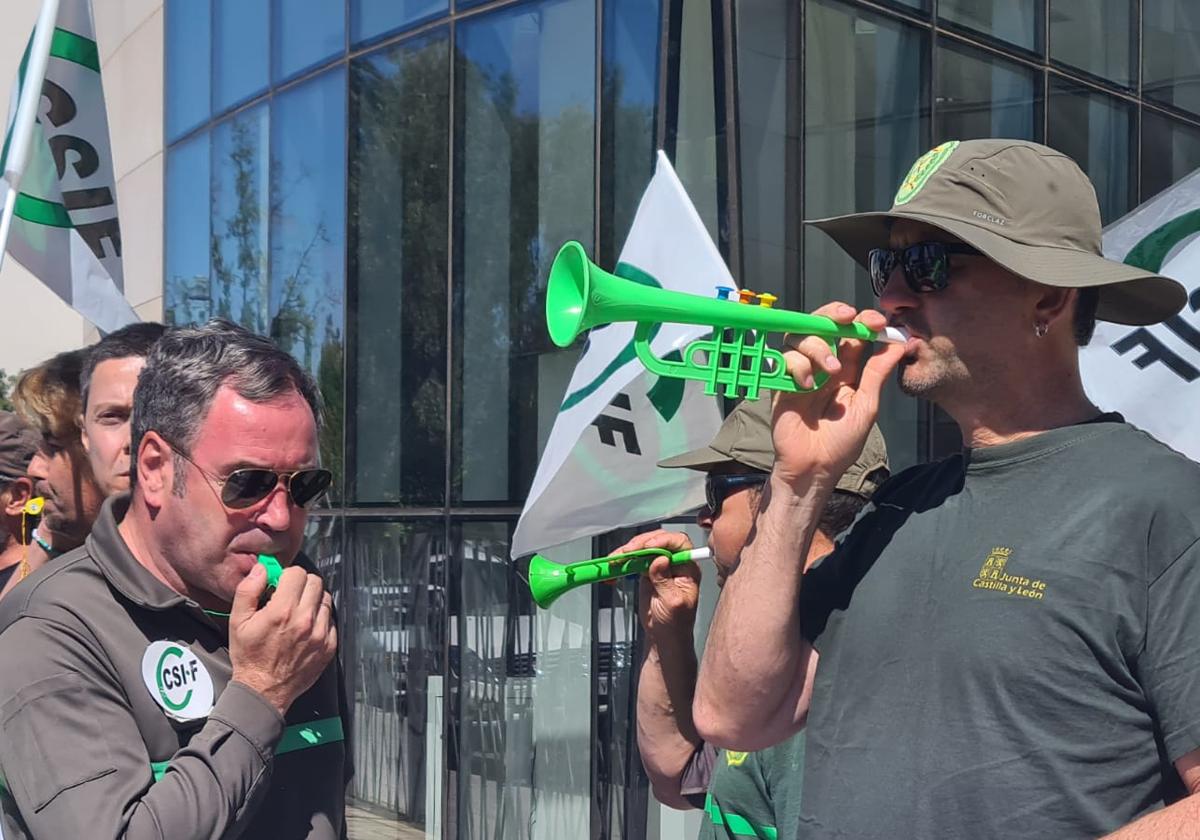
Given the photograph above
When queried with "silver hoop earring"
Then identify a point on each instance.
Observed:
(1040, 328)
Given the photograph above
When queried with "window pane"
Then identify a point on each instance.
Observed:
(621, 786)
(1171, 52)
(240, 52)
(1097, 132)
(866, 121)
(399, 172)
(769, 79)
(188, 55)
(396, 625)
(308, 243)
(525, 126)
(307, 33)
(1096, 36)
(630, 88)
(1170, 150)
(372, 18)
(521, 734)
(1015, 21)
(982, 96)
(187, 287)
(240, 194)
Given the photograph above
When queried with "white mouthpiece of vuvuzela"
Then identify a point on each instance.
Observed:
(892, 335)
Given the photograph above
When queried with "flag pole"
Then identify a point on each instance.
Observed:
(27, 107)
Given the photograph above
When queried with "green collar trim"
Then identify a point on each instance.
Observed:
(738, 826)
(301, 736)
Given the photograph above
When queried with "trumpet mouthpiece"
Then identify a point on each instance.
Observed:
(892, 335)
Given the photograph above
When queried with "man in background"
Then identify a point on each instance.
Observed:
(106, 383)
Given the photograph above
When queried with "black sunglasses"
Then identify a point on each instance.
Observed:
(250, 485)
(926, 265)
(718, 486)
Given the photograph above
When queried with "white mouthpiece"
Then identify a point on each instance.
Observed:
(892, 335)
(702, 553)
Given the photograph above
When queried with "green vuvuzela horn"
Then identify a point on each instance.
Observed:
(548, 580)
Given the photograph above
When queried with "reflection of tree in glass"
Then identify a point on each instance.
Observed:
(331, 381)
(528, 186)
(302, 294)
(398, 257)
(244, 230)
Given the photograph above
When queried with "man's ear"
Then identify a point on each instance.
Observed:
(83, 437)
(1054, 304)
(20, 492)
(155, 467)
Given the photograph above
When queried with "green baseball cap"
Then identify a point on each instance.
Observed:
(745, 438)
(1027, 208)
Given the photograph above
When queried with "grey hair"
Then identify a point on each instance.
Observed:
(188, 365)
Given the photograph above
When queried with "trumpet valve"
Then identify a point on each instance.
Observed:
(767, 300)
(723, 292)
(746, 296)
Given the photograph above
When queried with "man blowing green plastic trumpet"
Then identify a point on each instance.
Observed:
(1007, 642)
(743, 794)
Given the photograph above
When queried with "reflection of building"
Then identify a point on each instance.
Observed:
(380, 185)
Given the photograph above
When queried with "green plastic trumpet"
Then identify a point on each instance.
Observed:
(548, 580)
(580, 295)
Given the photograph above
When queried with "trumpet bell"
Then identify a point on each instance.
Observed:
(567, 292)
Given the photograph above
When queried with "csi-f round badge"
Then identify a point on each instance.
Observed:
(177, 680)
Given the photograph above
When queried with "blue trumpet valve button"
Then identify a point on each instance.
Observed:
(723, 292)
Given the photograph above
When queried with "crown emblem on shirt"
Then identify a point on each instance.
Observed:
(993, 566)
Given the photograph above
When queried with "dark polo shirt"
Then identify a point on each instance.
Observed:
(118, 718)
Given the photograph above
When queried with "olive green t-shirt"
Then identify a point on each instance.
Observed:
(1009, 644)
(755, 794)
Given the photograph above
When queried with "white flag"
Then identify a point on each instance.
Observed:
(617, 421)
(1152, 374)
(64, 198)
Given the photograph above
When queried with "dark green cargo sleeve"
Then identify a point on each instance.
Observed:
(75, 764)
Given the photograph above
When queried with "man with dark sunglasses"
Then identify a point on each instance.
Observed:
(1006, 643)
(163, 689)
(754, 794)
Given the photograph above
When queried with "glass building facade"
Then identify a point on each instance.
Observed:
(380, 186)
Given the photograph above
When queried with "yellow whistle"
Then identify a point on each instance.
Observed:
(34, 506)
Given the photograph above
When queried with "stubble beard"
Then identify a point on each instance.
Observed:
(927, 378)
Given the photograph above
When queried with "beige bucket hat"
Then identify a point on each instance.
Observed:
(745, 438)
(1026, 207)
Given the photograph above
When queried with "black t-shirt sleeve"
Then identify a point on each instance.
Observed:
(830, 581)
(1169, 665)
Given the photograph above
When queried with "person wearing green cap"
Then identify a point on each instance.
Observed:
(18, 444)
(1006, 643)
(743, 794)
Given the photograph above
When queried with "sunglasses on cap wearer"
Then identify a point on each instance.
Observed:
(717, 486)
(248, 486)
(925, 265)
